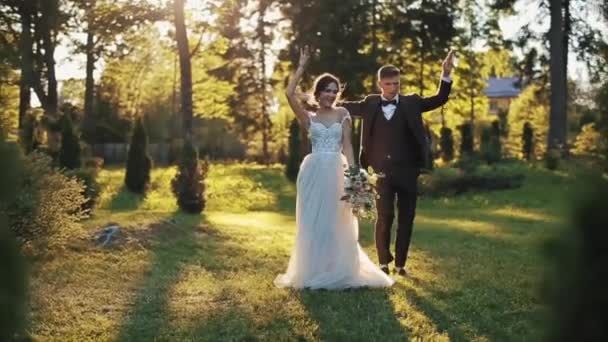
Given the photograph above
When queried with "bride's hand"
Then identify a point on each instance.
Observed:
(304, 56)
(448, 63)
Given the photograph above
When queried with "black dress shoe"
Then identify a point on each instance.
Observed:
(385, 269)
(402, 272)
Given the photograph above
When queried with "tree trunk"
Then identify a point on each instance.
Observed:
(185, 67)
(557, 118)
(263, 82)
(89, 92)
(49, 10)
(27, 61)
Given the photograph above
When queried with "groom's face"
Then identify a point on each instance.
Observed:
(389, 86)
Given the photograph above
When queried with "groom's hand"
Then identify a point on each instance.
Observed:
(448, 63)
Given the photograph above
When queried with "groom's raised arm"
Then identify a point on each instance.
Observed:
(441, 97)
(355, 108)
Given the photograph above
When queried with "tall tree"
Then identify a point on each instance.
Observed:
(557, 119)
(39, 25)
(181, 37)
(104, 22)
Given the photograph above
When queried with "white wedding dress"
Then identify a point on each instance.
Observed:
(327, 254)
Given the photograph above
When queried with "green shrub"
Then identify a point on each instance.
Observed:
(189, 183)
(590, 143)
(294, 157)
(574, 287)
(13, 280)
(69, 154)
(552, 158)
(528, 141)
(491, 149)
(449, 181)
(139, 164)
(447, 144)
(48, 204)
(91, 188)
(466, 139)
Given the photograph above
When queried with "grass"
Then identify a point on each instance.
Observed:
(476, 262)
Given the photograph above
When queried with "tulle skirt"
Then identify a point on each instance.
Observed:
(326, 254)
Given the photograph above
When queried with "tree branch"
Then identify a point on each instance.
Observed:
(198, 45)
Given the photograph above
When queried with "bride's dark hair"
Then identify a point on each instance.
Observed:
(320, 84)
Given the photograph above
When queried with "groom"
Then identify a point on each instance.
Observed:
(394, 142)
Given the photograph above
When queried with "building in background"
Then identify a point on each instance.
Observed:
(500, 92)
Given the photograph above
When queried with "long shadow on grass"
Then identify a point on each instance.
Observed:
(354, 315)
(275, 182)
(491, 284)
(174, 247)
(228, 263)
(125, 200)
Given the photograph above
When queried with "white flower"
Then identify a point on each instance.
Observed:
(347, 182)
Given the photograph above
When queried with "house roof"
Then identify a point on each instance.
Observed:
(503, 87)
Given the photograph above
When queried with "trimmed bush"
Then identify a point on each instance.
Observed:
(466, 139)
(139, 164)
(189, 183)
(528, 141)
(69, 154)
(450, 181)
(491, 149)
(294, 157)
(447, 144)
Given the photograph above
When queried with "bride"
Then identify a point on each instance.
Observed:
(326, 254)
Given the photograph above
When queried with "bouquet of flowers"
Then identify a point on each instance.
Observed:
(360, 192)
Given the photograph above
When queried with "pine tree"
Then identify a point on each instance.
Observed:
(139, 164)
(447, 144)
(528, 141)
(466, 139)
(189, 182)
(69, 154)
(294, 157)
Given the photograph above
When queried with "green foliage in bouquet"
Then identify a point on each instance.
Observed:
(360, 192)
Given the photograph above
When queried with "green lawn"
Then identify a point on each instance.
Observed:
(476, 262)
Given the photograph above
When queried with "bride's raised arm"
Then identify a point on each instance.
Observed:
(292, 98)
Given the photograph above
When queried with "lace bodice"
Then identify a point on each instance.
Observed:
(326, 138)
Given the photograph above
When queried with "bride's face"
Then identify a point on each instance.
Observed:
(328, 96)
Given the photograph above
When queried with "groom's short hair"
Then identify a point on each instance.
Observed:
(387, 71)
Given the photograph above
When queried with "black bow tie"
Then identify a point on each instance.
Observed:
(386, 103)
